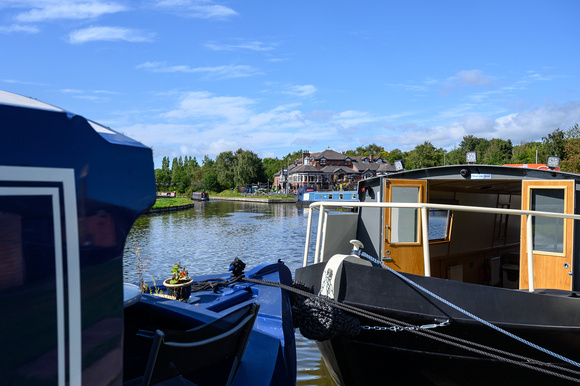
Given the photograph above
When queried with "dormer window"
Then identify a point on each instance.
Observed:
(380, 161)
(322, 161)
(347, 161)
(365, 160)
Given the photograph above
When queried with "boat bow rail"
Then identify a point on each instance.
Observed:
(324, 208)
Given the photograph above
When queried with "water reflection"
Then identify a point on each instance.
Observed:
(209, 236)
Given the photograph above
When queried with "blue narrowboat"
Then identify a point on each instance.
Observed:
(67, 316)
(200, 196)
(306, 197)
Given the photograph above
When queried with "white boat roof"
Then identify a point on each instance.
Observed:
(8, 98)
(11, 99)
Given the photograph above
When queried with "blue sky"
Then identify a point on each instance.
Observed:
(197, 77)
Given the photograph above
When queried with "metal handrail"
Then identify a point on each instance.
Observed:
(424, 207)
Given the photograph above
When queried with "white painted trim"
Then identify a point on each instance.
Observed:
(67, 178)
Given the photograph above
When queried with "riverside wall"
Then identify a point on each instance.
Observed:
(257, 199)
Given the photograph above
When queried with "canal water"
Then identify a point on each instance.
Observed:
(209, 236)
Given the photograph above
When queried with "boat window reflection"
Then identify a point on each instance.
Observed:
(404, 221)
(548, 233)
(439, 224)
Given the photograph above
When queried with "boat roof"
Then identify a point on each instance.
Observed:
(482, 172)
(476, 178)
(15, 100)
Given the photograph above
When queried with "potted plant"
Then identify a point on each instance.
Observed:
(179, 284)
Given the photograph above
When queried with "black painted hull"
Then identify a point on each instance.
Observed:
(551, 321)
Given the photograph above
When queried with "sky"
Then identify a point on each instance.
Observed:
(200, 77)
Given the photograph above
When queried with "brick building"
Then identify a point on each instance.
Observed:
(330, 170)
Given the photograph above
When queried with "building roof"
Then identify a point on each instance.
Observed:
(305, 169)
(331, 169)
(386, 168)
(329, 155)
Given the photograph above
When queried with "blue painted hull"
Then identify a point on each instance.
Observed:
(63, 225)
(270, 356)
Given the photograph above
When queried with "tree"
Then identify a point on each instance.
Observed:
(498, 152)
(372, 149)
(455, 157)
(211, 183)
(424, 156)
(163, 175)
(472, 143)
(247, 168)
(272, 166)
(393, 155)
(555, 144)
(525, 153)
(224, 168)
(571, 162)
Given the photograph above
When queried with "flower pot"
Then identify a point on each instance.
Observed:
(180, 291)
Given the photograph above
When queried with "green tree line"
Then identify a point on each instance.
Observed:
(244, 167)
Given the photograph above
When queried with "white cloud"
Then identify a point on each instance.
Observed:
(14, 81)
(301, 90)
(250, 45)
(534, 124)
(473, 78)
(206, 105)
(202, 9)
(76, 10)
(109, 34)
(218, 72)
(409, 87)
(18, 28)
(528, 125)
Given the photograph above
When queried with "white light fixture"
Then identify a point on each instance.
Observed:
(553, 162)
(399, 165)
(471, 157)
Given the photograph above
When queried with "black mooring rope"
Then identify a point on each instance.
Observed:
(526, 362)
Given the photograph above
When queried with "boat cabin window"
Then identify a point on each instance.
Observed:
(548, 233)
(439, 224)
(405, 221)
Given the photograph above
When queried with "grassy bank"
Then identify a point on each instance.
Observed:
(168, 202)
(180, 201)
(229, 193)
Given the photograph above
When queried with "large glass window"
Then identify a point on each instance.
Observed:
(547, 232)
(404, 221)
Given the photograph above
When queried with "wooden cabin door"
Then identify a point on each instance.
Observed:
(402, 248)
(552, 238)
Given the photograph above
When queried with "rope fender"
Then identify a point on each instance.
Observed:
(318, 320)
